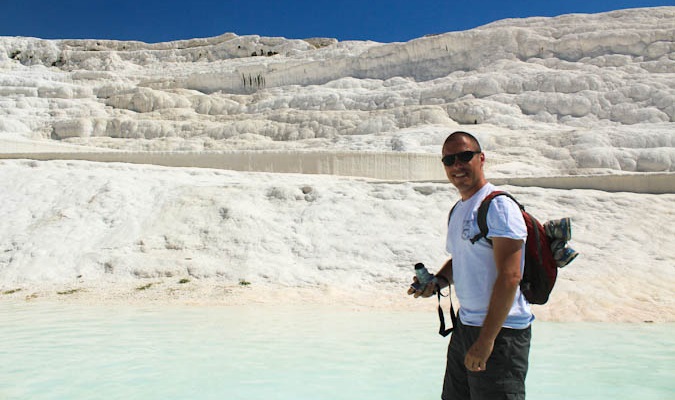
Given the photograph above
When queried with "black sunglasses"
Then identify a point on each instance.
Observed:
(464, 157)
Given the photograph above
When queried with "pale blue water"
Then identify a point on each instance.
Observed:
(94, 352)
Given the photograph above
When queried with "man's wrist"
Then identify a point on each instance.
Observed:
(442, 281)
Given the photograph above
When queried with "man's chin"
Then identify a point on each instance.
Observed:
(461, 180)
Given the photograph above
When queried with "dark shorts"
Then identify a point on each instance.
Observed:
(504, 377)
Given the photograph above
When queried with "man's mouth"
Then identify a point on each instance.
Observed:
(459, 175)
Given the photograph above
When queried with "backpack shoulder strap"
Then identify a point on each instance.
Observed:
(451, 210)
(482, 214)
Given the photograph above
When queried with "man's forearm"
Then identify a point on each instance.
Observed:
(503, 294)
(445, 274)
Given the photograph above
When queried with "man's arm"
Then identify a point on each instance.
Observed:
(445, 274)
(507, 254)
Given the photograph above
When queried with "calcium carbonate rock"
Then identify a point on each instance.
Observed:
(537, 78)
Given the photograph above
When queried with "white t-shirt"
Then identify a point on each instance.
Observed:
(474, 270)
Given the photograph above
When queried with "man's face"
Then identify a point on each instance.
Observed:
(467, 176)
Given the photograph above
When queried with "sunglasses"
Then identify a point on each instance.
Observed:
(464, 157)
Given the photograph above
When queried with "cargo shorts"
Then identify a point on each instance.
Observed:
(504, 376)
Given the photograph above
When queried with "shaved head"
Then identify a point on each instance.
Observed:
(467, 135)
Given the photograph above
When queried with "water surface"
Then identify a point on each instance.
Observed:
(56, 351)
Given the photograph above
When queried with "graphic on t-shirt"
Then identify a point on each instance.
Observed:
(466, 229)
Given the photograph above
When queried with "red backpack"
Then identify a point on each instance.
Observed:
(541, 269)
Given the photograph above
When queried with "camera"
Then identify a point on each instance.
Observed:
(424, 277)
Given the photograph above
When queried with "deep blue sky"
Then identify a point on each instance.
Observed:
(379, 20)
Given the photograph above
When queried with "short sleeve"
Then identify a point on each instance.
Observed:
(505, 219)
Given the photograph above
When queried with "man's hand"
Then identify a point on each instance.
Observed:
(478, 354)
(427, 291)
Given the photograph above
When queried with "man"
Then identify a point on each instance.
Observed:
(489, 349)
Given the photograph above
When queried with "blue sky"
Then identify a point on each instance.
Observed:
(383, 21)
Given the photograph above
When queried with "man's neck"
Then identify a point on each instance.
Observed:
(469, 194)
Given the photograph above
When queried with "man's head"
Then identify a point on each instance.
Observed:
(463, 160)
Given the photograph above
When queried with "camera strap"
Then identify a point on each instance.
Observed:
(453, 317)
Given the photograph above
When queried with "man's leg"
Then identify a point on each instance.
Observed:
(504, 377)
